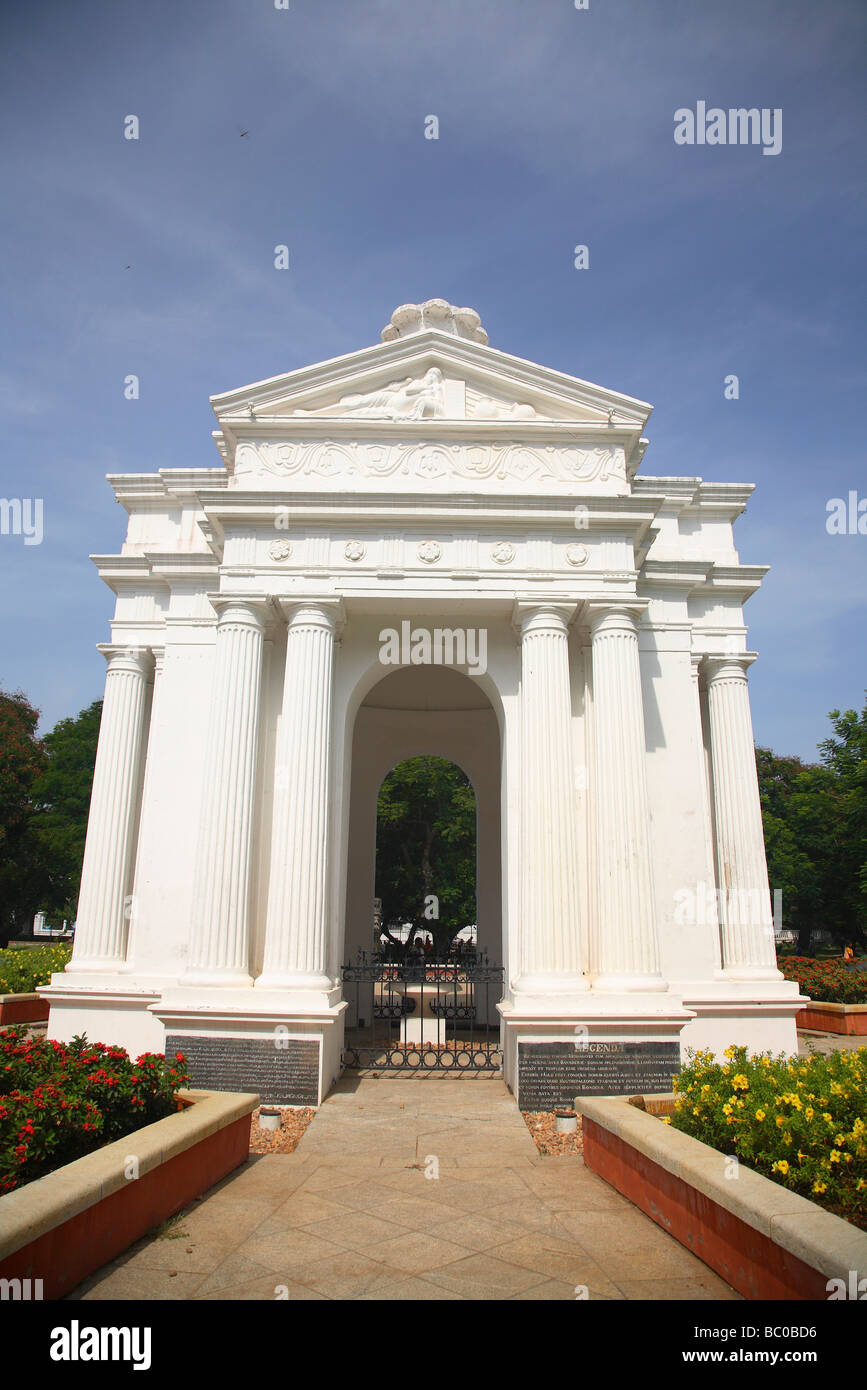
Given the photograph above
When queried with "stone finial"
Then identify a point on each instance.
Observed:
(434, 313)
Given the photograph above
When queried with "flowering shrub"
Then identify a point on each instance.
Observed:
(799, 1121)
(22, 970)
(828, 981)
(61, 1100)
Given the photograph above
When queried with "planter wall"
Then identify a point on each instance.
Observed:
(64, 1226)
(834, 1018)
(767, 1242)
(22, 1008)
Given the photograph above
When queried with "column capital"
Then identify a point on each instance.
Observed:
(614, 615)
(250, 609)
(542, 615)
(732, 666)
(138, 660)
(313, 610)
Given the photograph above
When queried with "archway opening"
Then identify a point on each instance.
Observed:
(423, 963)
(425, 886)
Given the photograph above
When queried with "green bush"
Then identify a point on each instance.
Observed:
(21, 972)
(800, 1121)
(59, 1101)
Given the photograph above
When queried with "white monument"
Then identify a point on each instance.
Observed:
(433, 481)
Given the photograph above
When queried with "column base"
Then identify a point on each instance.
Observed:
(750, 973)
(630, 984)
(542, 984)
(98, 965)
(295, 980)
(216, 979)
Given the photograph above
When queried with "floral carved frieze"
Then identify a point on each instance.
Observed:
(429, 461)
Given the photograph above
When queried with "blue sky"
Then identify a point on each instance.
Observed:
(556, 128)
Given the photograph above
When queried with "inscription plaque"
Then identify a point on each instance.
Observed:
(551, 1075)
(284, 1071)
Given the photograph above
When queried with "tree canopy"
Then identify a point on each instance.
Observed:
(426, 848)
(45, 786)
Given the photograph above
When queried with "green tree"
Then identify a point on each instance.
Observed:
(23, 868)
(62, 798)
(426, 847)
(845, 755)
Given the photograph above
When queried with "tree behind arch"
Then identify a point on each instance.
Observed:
(426, 847)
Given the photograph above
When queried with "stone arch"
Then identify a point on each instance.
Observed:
(416, 712)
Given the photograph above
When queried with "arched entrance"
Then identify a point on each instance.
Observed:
(407, 1009)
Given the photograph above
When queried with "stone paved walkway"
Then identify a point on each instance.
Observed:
(353, 1215)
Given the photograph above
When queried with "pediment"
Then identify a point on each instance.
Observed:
(429, 376)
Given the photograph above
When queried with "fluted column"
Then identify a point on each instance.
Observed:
(746, 919)
(220, 946)
(109, 854)
(550, 957)
(296, 933)
(626, 948)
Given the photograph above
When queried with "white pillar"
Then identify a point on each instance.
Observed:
(626, 948)
(746, 920)
(296, 933)
(550, 954)
(101, 929)
(220, 946)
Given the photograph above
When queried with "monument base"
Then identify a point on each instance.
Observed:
(760, 1015)
(105, 1010)
(235, 1041)
(602, 1046)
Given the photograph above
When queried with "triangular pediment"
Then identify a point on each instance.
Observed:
(429, 376)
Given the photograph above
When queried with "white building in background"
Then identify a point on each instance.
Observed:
(249, 719)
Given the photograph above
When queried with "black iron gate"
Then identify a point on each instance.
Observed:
(422, 1015)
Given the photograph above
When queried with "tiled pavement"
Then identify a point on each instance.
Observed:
(353, 1215)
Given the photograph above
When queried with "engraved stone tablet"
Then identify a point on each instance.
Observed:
(284, 1071)
(551, 1075)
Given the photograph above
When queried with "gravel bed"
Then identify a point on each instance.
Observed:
(293, 1122)
(542, 1126)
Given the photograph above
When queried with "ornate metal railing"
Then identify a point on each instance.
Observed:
(422, 1015)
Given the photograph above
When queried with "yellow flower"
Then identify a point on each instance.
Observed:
(781, 1166)
(760, 1114)
(727, 1110)
(729, 1052)
(781, 1120)
(839, 1140)
(740, 1083)
(835, 1155)
(809, 1113)
(820, 1186)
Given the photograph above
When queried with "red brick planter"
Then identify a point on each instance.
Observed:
(22, 1008)
(850, 1019)
(64, 1226)
(767, 1242)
